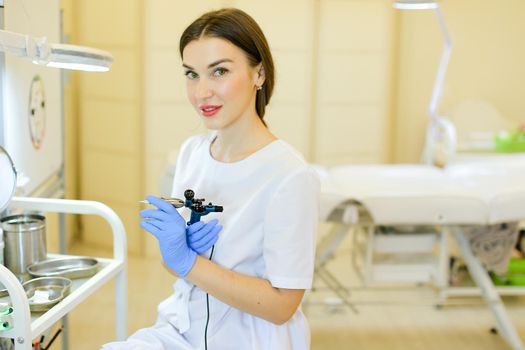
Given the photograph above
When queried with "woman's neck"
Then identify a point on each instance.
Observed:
(240, 141)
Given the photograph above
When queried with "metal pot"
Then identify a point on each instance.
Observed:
(25, 242)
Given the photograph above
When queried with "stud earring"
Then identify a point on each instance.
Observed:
(258, 87)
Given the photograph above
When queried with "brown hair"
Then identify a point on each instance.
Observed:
(237, 27)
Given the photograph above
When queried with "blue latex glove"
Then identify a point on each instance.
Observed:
(169, 227)
(202, 236)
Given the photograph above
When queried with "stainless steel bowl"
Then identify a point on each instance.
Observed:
(72, 267)
(45, 292)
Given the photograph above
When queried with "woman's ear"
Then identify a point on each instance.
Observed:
(260, 75)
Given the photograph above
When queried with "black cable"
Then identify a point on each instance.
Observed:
(207, 311)
(53, 339)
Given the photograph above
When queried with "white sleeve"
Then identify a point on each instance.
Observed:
(290, 226)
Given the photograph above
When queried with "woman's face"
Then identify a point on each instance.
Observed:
(220, 83)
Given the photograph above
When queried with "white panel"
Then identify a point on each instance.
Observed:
(168, 125)
(346, 77)
(286, 24)
(347, 130)
(165, 80)
(293, 76)
(41, 159)
(167, 19)
(357, 25)
(290, 123)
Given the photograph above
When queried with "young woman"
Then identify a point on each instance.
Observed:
(241, 281)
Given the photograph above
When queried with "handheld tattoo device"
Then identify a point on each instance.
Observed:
(197, 208)
(195, 205)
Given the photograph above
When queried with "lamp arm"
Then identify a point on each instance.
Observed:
(443, 64)
(41, 52)
(23, 45)
(14, 43)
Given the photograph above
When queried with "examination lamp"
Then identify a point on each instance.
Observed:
(55, 55)
(440, 130)
(445, 56)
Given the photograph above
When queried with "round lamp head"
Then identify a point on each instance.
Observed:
(76, 58)
(415, 4)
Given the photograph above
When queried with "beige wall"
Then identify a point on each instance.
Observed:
(353, 82)
(110, 117)
(486, 64)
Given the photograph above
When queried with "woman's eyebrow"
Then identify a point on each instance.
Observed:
(219, 62)
(213, 64)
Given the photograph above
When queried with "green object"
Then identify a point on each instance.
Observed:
(5, 325)
(511, 142)
(515, 275)
(499, 280)
(6, 320)
(516, 266)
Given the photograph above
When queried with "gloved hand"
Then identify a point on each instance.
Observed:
(202, 236)
(169, 227)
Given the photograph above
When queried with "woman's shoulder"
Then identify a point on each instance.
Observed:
(287, 155)
(287, 160)
(291, 173)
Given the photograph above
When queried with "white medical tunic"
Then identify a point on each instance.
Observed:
(271, 205)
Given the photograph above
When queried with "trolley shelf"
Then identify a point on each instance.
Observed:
(80, 289)
(27, 326)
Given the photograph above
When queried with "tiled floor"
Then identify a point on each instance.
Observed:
(387, 319)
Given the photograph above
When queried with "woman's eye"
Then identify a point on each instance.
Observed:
(219, 72)
(191, 74)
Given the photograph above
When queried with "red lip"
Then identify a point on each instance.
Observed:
(209, 110)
